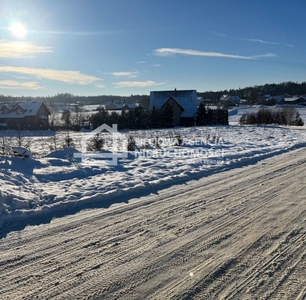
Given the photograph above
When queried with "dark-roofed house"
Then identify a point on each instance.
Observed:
(30, 115)
(296, 100)
(183, 102)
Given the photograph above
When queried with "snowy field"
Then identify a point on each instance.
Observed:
(54, 182)
(236, 113)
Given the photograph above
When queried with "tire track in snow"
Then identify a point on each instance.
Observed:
(210, 228)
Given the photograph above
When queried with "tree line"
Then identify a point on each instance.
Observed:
(143, 118)
(254, 92)
(69, 98)
(249, 93)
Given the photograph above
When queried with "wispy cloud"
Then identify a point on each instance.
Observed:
(218, 33)
(261, 41)
(124, 74)
(20, 49)
(267, 42)
(100, 85)
(141, 62)
(72, 77)
(12, 84)
(263, 55)
(148, 83)
(251, 39)
(173, 51)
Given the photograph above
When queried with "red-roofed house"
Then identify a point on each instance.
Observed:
(25, 114)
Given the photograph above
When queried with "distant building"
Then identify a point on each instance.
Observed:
(25, 114)
(183, 102)
(276, 99)
(206, 101)
(234, 99)
(112, 105)
(295, 100)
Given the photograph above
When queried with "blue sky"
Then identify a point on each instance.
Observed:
(124, 47)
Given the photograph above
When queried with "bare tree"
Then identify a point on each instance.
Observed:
(66, 117)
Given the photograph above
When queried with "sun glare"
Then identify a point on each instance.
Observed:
(18, 30)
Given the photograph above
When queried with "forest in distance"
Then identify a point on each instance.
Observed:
(249, 93)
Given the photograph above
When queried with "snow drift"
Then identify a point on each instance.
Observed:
(56, 182)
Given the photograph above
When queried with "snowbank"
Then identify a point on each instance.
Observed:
(31, 188)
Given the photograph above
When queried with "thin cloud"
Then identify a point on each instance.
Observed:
(267, 42)
(148, 83)
(264, 55)
(124, 74)
(72, 77)
(100, 85)
(261, 41)
(12, 84)
(20, 49)
(173, 51)
(141, 62)
(218, 33)
(251, 40)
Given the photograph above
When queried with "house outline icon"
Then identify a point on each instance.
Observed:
(109, 157)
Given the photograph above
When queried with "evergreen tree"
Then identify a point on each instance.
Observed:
(298, 120)
(167, 116)
(66, 117)
(155, 118)
(100, 118)
(201, 116)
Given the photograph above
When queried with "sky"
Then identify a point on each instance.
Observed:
(132, 47)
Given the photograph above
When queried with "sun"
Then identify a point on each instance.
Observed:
(18, 30)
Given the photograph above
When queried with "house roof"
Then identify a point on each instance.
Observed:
(117, 106)
(234, 98)
(187, 99)
(293, 99)
(22, 109)
(277, 98)
(171, 98)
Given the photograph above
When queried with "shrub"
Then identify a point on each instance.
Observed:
(298, 120)
(96, 143)
(285, 116)
(179, 140)
(3, 146)
(68, 141)
(131, 143)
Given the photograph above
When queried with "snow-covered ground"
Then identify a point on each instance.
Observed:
(53, 181)
(238, 234)
(236, 112)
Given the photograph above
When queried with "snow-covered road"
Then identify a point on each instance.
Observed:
(238, 234)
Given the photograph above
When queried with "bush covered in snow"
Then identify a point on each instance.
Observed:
(284, 116)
